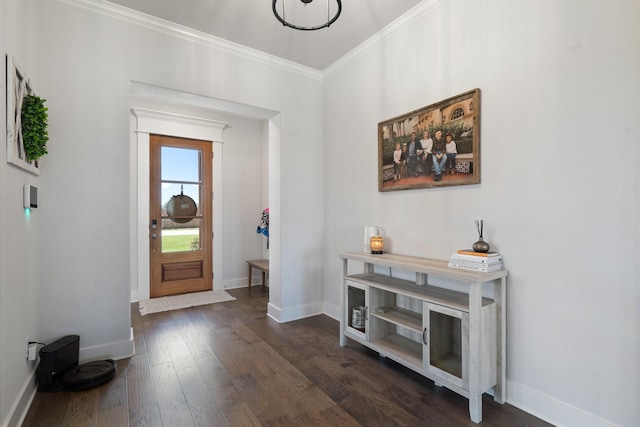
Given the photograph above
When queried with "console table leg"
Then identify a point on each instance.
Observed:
(500, 391)
(475, 408)
(475, 350)
(343, 315)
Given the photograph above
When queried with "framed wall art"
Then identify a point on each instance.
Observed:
(434, 146)
(18, 86)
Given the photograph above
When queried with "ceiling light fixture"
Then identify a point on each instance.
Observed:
(330, 20)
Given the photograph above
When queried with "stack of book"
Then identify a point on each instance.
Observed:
(477, 261)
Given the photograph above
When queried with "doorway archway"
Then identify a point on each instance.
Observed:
(163, 102)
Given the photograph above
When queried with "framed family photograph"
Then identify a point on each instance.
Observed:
(435, 146)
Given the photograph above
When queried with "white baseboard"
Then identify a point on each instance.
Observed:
(293, 313)
(240, 283)
(20, 407)
(331, 310)
(550, 409)
(115, 350)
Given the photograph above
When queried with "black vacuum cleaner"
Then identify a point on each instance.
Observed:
(59, 369)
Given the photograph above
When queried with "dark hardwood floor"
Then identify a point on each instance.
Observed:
(229, 364)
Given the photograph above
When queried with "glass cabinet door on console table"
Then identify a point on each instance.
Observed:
(456, 339)
(356, 305)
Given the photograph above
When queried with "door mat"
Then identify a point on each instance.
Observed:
(176, 302)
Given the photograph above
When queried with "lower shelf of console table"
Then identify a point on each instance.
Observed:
(454, 338)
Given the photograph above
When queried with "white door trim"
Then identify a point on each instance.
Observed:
(146, 122)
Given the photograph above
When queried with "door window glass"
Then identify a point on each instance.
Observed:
(181, 176)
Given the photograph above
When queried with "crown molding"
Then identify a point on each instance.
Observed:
(142, 19)
(410, 17)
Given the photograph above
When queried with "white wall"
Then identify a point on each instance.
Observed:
(19, 232)
(245, 150)
(559, 191)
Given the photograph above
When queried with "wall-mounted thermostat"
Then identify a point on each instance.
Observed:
(30, 196)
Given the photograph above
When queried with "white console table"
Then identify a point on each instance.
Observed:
(457, 339)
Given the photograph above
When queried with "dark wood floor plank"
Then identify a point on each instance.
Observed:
(47, 409)
(437, 411)
(142, 398)
(114, 393)
(242, 330)
(332, 388)
(223, 391)
(267, 400)
(230, 364)
(199, 349)
(233, 366)
(220, 340)
(194, 334)
(139, 343)
(111, 417)
(83, 408)
(180, 355)
(174, 410)
(155, 343)
(262, 361)
(335, 416)
(113, 405)
(241, 415)
(312, 399)
(376, 410)
(215, 318)
(205, 411)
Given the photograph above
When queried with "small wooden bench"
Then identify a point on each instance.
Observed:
(263, 266)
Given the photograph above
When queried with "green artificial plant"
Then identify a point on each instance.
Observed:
(34, 127)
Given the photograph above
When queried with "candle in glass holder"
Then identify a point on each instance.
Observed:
(377, 244)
